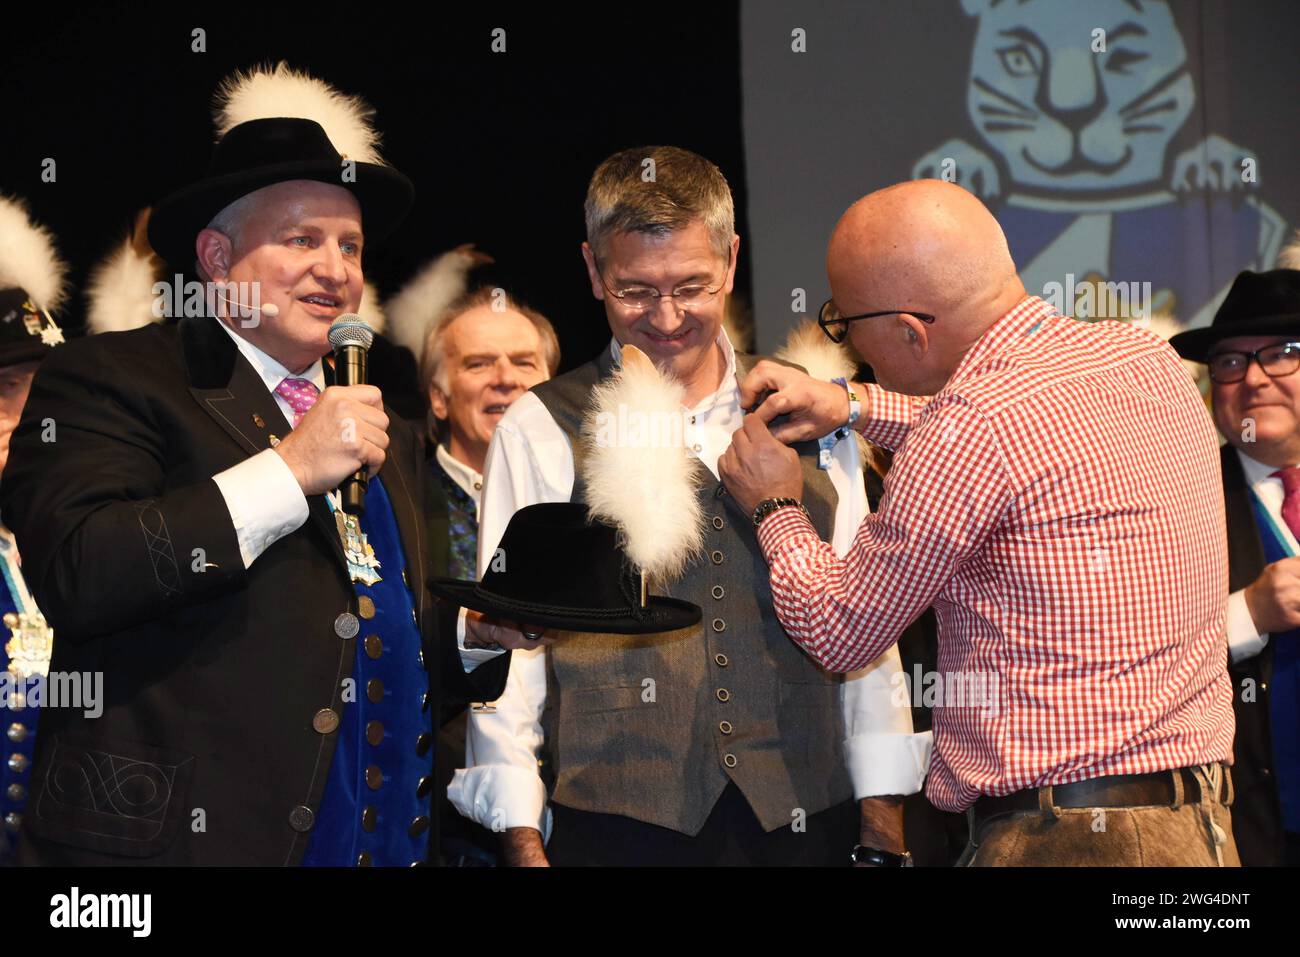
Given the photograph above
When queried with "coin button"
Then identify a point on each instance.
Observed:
(325, 720)
(366, 605)
(346, 625)
(374, 646)
(375, 690)
(374, 777)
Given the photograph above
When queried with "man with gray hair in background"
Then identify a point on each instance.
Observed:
(746, 752)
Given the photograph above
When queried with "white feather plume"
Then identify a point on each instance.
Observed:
(265, 92)
(647, 488)
(806, 345)
(1289, 257)
(119, 292)
(419, 303)
(28, 256)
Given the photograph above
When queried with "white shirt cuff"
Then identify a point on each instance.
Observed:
(882, 763)
(501, 796)
(471, 658)
(1244, 639)
(265, 502)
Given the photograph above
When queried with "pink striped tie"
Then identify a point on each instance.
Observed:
(301, 394)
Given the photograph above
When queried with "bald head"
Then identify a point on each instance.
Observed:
(926, 246)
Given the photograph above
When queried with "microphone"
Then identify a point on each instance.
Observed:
(350, 337)
(270, 310)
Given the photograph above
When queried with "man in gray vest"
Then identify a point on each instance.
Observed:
(719, 744)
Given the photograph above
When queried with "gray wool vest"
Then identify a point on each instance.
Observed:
(653, 727)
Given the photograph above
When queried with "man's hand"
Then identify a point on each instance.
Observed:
(484, 632)
(881, 824)
(813, 408)
(344, 432)
(522, 847)
(1274, 597)
(758, 467)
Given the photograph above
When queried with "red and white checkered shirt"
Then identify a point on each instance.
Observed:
(1060, 505)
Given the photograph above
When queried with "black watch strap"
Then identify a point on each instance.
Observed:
(770, 505)
(875, 856)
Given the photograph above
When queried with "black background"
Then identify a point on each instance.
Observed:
(500, 145)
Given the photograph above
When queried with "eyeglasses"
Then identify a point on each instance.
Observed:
(1277, 360)
(644, 298)
(836, 326)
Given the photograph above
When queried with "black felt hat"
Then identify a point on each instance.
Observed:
(559, 568)
(1258, 304)
(264, 152)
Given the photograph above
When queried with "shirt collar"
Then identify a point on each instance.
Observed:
(1021, 320)
(1256, 471)
(470, 481)
(726, 387)
(271, 372)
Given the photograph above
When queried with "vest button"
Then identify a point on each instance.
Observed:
(374, 777)
(375, 733)
(716, 557)
(424, 787)
(346, 625)
(718, 592)
(719, 625)
(18, 762)
(717, 522)
(366, 605)
(724, 694)
(729, 760)
(369, 817)
(725, 727)
(325, 721)
(364, 859)
(720, 491)
(13, 821)
(423, 743)
(721, 660)
(302, 819)
(418, 826)
(375, 690)
(17, 732)
(15, 792)
(374, 647)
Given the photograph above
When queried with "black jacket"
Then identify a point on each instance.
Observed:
(205, 752)
(1256, 812)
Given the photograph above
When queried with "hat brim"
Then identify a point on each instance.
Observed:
(662, 614)
(384, 194)
(1195, 344)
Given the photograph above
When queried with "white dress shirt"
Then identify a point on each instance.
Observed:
(1244, 639)
(529, 461)
(470, 482)
(265, 501)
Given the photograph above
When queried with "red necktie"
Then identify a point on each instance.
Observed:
(1291, 502)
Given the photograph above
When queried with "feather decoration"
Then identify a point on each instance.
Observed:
(29, 259)
(638, 474)
(415, 307)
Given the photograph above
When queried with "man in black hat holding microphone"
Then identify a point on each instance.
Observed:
(271, 664)
(1253, 352)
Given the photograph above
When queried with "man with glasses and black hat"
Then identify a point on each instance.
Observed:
(271, 666)
(1252, 350)
(31, 286)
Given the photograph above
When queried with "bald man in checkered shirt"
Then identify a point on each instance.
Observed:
(1055, 495)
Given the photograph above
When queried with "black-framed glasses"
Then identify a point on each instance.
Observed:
(688, 295)
(836, 326)
(1278, 360)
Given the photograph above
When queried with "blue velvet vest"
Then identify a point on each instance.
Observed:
(1284, 702)
(364, 819)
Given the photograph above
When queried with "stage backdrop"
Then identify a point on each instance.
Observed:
(1148, 144)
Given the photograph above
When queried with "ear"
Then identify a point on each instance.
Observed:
(916, 334)
(731, 271)
(215, 253)
(593, 274)
(437, 402)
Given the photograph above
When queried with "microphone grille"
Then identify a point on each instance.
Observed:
(350, 329)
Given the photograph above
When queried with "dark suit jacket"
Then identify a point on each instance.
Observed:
(1256, 813)
(205, 752)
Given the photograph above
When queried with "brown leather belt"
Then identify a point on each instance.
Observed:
(1117, 790)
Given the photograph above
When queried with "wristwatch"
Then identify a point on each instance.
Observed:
(770, 505)
(874, 855)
